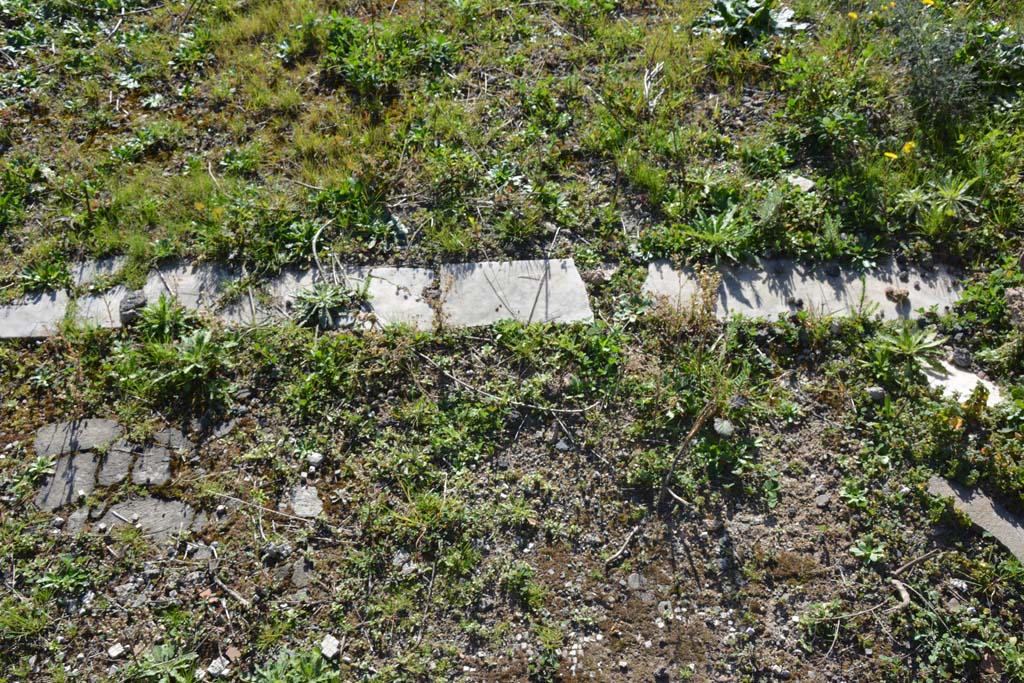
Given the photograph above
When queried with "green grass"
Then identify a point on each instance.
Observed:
(470, 130)
(613, 132)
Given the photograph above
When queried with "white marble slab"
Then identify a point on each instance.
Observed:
(541, 291)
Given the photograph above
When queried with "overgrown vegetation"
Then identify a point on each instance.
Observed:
(477, 482)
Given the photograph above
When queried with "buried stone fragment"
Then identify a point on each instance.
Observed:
(983, 511)
(305, 502)
(955, 382)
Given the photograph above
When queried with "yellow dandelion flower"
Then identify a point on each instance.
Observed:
(928, 3)
(891, 155)
(852, 15)
(909, 147)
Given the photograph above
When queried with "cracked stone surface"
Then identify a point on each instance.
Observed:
(983, 511)
(196, 287)
(174, 439)
(101, 310)
(71, 474)
(152, 467)
(305, 502)
(779, 286)
(157, 517)
(957, 383)
(474, 294)
(77, 435)
(114, 466)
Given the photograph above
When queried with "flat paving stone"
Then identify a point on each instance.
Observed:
(957, 383)
(1007, 528)
(305, 502)
(779, 286)
(84, 273)
(152, 467)
(71, 474)
(33, 317)
(76, 435)
(393, 295)
(159, 518)
(196, 287)
(100, 310)
(173, 438)
(541, 291)
(115, 464)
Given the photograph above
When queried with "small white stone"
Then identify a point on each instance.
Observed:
(115, 650)
(329, 646)
(219, 667)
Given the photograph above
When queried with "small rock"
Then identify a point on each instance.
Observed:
(306, 502)
(961, 358)
(131, 307)
(876, 394)
(1015, 306)
(800, 183)
(823, 500)
(724, 428)
(218, 667)
(57, 522)
(233, 653)
(115, 651)
(635, 582)
(562, 446)
(273, 553)
(330, 646)
(314, 458)
(623, 665)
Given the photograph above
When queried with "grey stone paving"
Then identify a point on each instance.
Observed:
(157, 517)
(775, 286)
(474, 294)
(100, 310)
(72, 474)
(983, 511)
(85, 273)
(152, 467)
(115, 465)
(34, 317)
(196, 287)
(78, 435)
(173, 438)
(394, 295)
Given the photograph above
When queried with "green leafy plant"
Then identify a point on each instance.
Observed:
(163, 664)
(290, 667)
(868, 549)
(744, 22)
(911, 346)
(327, 305)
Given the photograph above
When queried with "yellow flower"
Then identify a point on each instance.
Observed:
(891, 155)
(928, 3)
(909, 147)
(852, 15)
